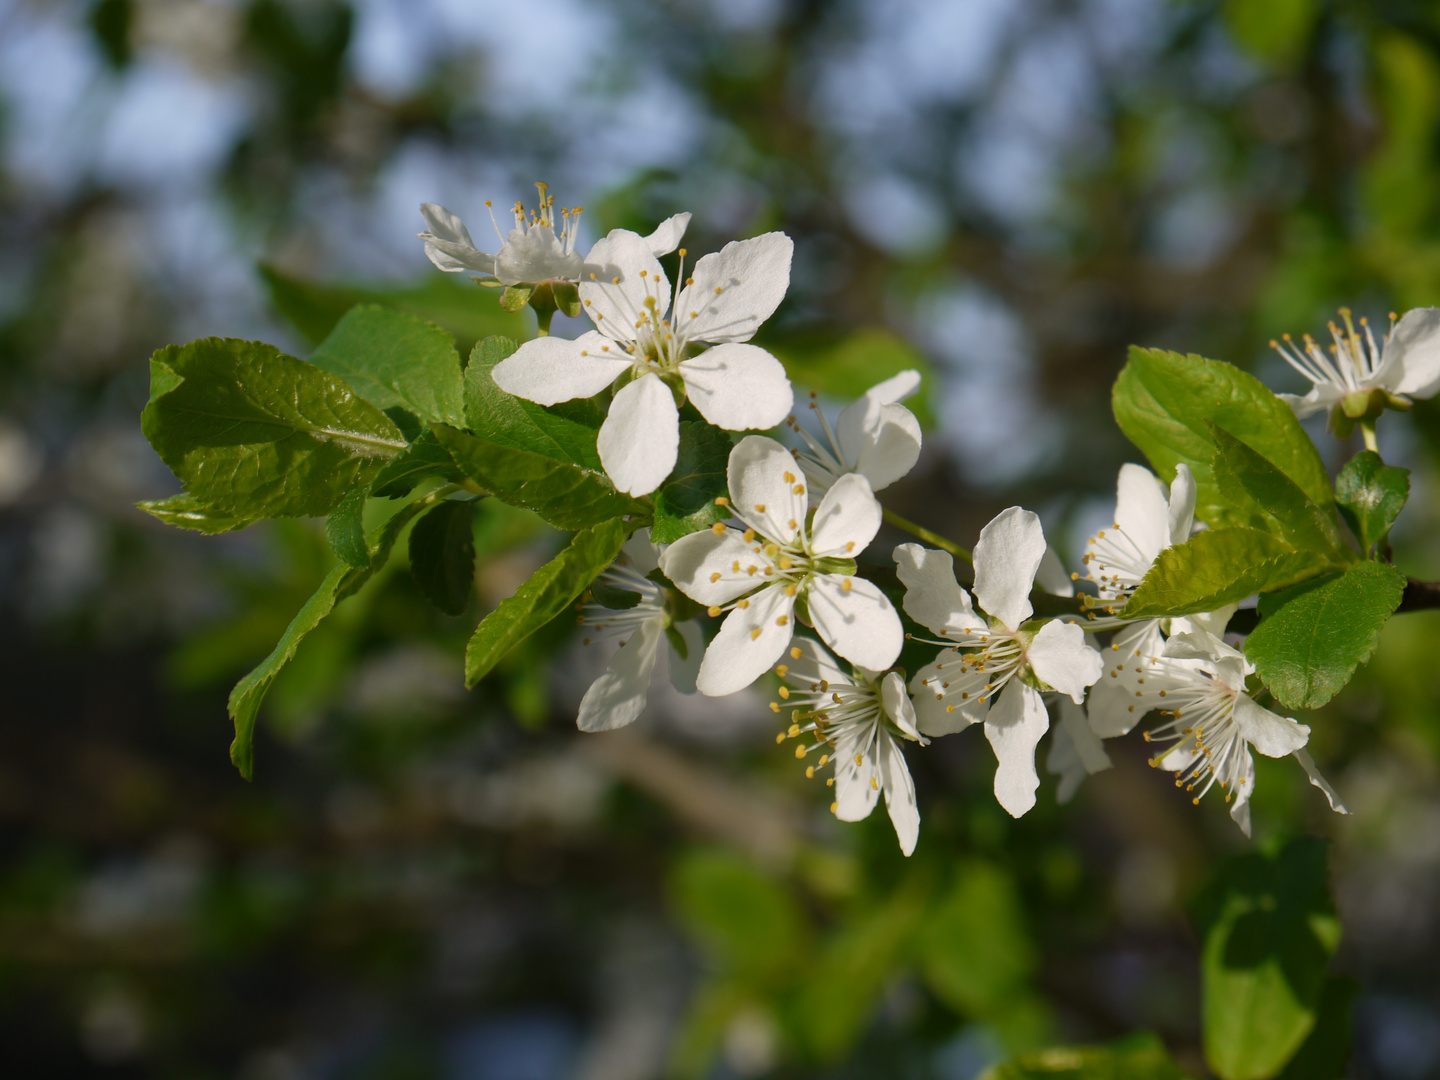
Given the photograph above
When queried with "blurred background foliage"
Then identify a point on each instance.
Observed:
(426, 883)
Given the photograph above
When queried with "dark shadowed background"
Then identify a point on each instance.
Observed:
(424, 882)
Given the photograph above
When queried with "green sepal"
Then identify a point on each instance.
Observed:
(515, 297)
(567, 297)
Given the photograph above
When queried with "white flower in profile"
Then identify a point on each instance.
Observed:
(535, 251)
(650, 348)
(1214, 723)
(1075, 750)
(618, 696)
(1404, 366)
(875, 436)
(784, 558)
(992, 670)
(1147, 521)
(853, 719)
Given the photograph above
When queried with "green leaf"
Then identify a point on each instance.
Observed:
(1163, 400)
(424, 457)
(566, 496)
(564, 432)
(396, 360)
(1313, 636)
(685, 503)
(1274, 502)
(1270, 931)
(1218, 567)
(254, 433)
(1274, 30)
(975, 951)
(442, 555)
(187, 512)
(550, 590)
(469, 313)
(1371, 495)
(747, 920)
(846, 368)
(342, 582)
(345, 529)
(1135, 1059)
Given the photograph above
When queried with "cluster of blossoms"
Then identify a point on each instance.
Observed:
(803, 517)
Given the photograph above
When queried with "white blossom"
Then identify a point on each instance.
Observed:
(534, 251)
(1405, 365)
(851, 721)
(1147, 521)
(992, 668)
(875, 436)
(1075, 750)
(782, 558)
(1199, 683)
(641, 341)
(618, 696)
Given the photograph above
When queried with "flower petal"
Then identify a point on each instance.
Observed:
(898, 706)
(935, 715)
(614, 296)
(702, 566)
(1075, 750)
(855, 795)
(1088, 746)
(1052, 575)
(549, 370)
(1182, 504)
(750, 640)
(933, 597)
(617, 697)
(895, 389)
(1059, 656)
(667, 236)
(1015, 725)
(846, 520)
(448, 244)
(684, 669)
(1141, 512)
(535, 254)
(643, 555)
(1243, 789)
(738, 386)
(1414, 352)
(1321, 396)
(814, 665)
(1271, 734)
(899, 793)
(1308, 764)
(1006, 558)
(762, 477)
(1119, 701)
(735, 289)
(879, 440)
(857, 621)
(640, 438)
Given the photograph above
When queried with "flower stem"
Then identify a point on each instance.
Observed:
(928, 536)
(1367, 429)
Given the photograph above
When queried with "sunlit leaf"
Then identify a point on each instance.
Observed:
(1371, 495)
(685, 503)
(1218, 567)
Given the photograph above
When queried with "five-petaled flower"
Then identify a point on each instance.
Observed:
(850, 722)
(1199, 683)
(875, 436)
(645, 346)
(783, 559)
(1361, 376)
(618, 696)
(992, 670)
